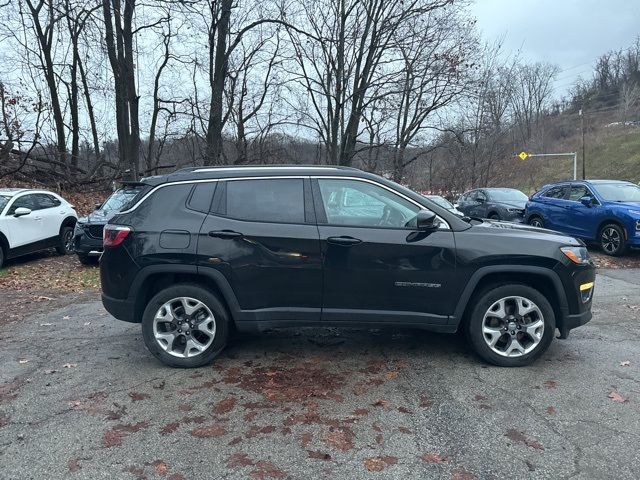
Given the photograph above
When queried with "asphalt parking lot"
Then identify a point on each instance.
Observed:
(80, 397)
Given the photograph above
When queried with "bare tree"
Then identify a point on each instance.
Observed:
(119, 36)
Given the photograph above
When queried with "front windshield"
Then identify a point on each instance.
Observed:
(507, 194)
(618, 192)
(3, 201)
(443, 202)
(120, 198)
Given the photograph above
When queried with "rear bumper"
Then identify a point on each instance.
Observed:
(122, 309)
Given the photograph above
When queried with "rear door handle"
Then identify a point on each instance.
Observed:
(346, 241)
(225, 234)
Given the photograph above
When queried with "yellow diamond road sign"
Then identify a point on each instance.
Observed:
(523, 155)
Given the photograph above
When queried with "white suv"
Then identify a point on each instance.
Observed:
(32, 220)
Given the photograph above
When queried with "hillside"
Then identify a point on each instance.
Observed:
(612, 152)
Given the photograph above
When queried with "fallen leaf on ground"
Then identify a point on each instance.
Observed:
(86, 324)
(46, 324)
(70, 365)
(23, 360)
(616, 397)
(66, 317)
(49, 372)
(433, 458)
(391, 375)
(625, 363)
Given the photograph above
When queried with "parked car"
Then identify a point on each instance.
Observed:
(494, 203)
(205, 250)
(602, 211)
(87, 238)
(33, 220)
(444, 203)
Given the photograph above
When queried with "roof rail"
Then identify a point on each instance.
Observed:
(209, 168)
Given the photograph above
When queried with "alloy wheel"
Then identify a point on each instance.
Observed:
(184, 327)
(513, 326)
(67, 240)
(610, 240)
(536, 222)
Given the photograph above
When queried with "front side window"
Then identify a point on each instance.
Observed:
(273, 200)
(362, 204)
(25, 201)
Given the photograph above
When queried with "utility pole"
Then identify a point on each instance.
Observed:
(582, 131)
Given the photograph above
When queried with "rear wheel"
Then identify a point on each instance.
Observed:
(65, 243)
(185, 326)
(536, 221)
(511, 326)
(612, 240)
(1, 256)
(494, 216)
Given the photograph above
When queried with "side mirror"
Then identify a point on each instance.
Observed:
(21, 212)
(98, 205)
(481, 200)
(587, 200)
(427, 221)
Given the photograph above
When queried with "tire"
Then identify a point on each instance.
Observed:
(612, 241)
(65, 242)
(536, 221)
(1, 256)
(87, 260)
(533, 331)
(494, 216)
(211, 336)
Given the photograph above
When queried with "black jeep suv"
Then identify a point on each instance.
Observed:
(205, 250)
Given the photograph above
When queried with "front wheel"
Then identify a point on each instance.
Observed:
(185, 326)
(612, 240)
(65, 242)
(511, 326)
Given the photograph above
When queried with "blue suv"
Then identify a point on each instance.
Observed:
(602, 211)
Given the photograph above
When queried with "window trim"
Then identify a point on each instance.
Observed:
(268, 177)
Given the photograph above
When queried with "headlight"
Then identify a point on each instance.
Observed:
(578, 255)
(515, 210)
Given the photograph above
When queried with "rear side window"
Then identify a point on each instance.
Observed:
(44, 201)
(577, 192)
(277, 200)
(556, 192)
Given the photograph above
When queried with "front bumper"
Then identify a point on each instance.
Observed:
(84, 244)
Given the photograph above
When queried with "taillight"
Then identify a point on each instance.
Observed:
(114, 235)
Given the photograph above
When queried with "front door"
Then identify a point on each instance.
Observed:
(27, 229)
(264, 240)
(376, 266)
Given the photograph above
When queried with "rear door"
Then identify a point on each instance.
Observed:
(554, 205)
(263, 238)
(377, 268)
(52, 213)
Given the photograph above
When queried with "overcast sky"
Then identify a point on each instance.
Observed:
(569, 33)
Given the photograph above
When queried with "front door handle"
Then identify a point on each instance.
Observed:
(346, 241)
(225, 234)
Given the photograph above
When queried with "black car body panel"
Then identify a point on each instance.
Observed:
(273, 273)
